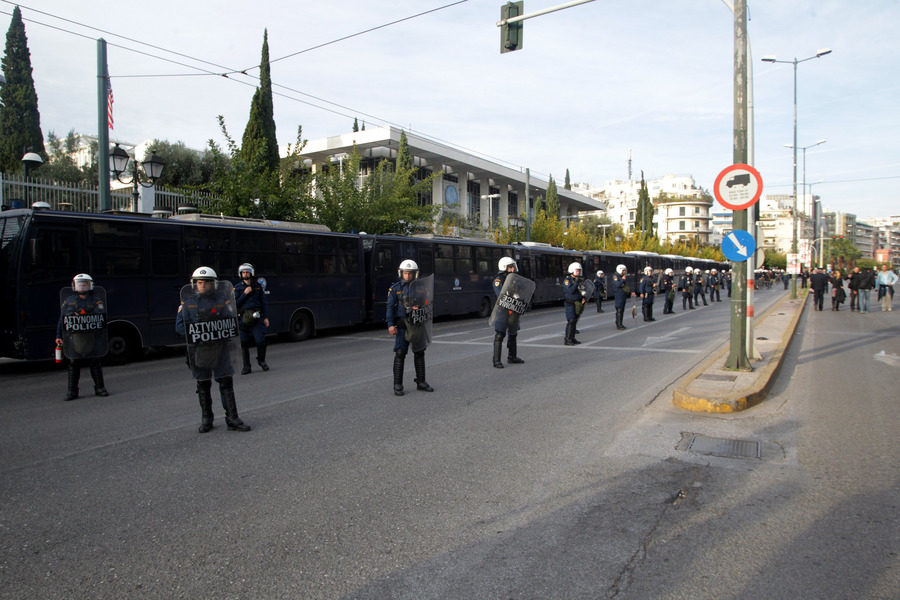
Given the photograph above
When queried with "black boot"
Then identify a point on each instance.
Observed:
(419, 362)
(620, 315)
(399, 359)
(206, 413)
(513, 358)
(74, 375)
(650, 312)
(261, 357)
(232, 419)
(245, 356)
(570, 334)
(97, 376)
(498, 350)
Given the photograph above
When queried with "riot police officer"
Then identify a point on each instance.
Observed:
(647, 290)
(207, 311)
(698, 288)
(686, 285)
(83, 303)
(600, 290)
(253, 316)
(622, 291)
(574, 298)
(667, 287)
(397, 312)
(503, 327)
(714, 282)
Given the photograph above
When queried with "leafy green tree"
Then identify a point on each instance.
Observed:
(355, 125)
(259, 144)
(20, 121)
(60, 165)
(240, 189)
(552, 202)
(385, 201)
(184, 167)
(643, 216)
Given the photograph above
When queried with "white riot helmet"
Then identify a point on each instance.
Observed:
(506, 262)
(574, 267)
(82, 283)
(204, 273)
(620, 269)
(706, 271)
(713, 271)
(246, 267)
(688, 269)
(670, 272)
(648, 270)
(599, 273)
(408, 265)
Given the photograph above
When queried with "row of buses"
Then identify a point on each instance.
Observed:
(316, 279)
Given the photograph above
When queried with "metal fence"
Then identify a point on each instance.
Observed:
(18, 192)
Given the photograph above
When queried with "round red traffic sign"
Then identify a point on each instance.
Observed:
(738, 187)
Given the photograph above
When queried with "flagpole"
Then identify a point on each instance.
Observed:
(104, 202)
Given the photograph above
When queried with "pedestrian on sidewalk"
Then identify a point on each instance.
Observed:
(885, 282)
(838, 295)
(818, 281)
(866, 284)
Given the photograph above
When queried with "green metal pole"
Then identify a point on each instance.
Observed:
(527, 205)
(737, 357)
(104, 202)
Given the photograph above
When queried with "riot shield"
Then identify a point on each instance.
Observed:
(419, 303)
(587, 287)
(512, 302)
(84, 331)
(211, 330)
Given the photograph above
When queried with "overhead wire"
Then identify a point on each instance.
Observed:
(231, 71)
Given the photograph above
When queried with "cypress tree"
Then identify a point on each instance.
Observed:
(259, 146)
(552, 200)
(20, 121)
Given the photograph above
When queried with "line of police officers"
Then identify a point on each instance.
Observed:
(212, 320)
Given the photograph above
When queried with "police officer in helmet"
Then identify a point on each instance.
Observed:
(506, 265)
(82, 302)
(574, 299)
(207, 301)
(395, 317)
(253, 316)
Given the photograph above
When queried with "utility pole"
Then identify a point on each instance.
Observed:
(104, 201)
(737, 357)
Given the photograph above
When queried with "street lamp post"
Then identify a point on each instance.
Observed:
(604, 227)
(153, 168)
(772, 59)
(31, 160)
(805, 148)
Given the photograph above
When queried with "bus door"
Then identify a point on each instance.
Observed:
(52, 257)
(164, 282)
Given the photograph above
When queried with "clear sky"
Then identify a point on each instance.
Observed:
(591, 82)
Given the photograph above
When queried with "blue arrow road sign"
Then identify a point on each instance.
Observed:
(738, 245)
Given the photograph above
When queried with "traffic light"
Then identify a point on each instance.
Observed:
(511, 33)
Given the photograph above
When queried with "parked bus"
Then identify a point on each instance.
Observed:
(314, 279)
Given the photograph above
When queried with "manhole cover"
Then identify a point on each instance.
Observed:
(712, 446)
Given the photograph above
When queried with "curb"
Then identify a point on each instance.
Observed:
(749, 395)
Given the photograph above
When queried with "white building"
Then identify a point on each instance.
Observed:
(472, 191)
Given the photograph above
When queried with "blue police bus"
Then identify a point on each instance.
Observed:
(314, 278)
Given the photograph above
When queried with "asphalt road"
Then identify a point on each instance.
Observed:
(564, 477)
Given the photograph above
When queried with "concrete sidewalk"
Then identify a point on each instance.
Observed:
(712, 388)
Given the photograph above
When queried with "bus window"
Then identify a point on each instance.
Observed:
(443, 259)
(483, 263)
(297, 255)
(464, 260)
(164, 257)
(256, 248)
(115, 248)
(348, 250)
(208, 247)
(54, 254)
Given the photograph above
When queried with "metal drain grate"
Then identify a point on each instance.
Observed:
(712, 446)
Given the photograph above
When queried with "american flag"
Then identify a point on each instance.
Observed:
(109, 104)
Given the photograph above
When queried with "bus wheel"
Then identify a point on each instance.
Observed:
(301, 327)
(124, 346)
(484, 310)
